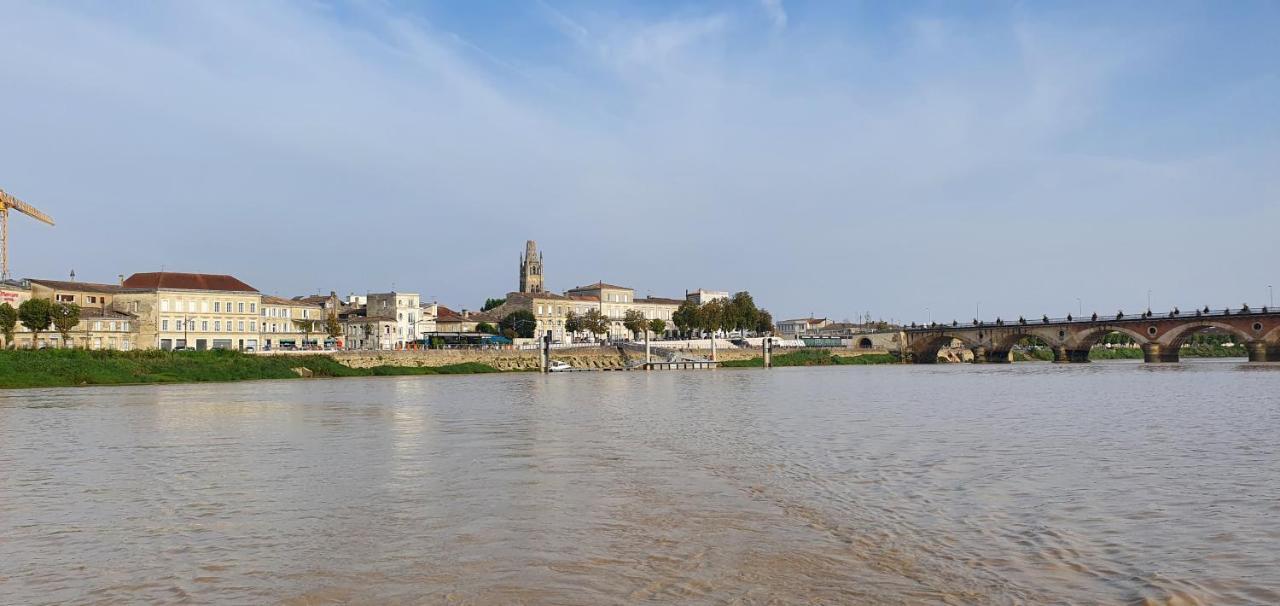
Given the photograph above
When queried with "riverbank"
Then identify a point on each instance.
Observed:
(74, 367)
(813, 357)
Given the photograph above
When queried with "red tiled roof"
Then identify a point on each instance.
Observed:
(444, 314)
(181, 281)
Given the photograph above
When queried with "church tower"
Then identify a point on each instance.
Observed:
(531, 268)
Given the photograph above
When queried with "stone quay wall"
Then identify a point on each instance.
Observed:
(501, 359)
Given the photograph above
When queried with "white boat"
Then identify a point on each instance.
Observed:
(558, 366)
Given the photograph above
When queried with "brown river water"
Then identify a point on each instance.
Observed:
(1110, 482)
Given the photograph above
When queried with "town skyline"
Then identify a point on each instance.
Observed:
(715, 145)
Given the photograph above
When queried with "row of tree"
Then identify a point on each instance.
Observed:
(37, 315)
(737, 313)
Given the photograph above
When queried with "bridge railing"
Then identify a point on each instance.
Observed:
(1101, 318)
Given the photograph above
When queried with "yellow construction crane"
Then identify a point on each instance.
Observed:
(6, 202)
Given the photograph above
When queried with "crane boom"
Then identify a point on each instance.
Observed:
(9, 201)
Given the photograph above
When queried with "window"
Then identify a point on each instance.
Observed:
(92, 299)
(217, 326)
(204, 306)
(217, 306)
(204, 325)
(164, 325)
(65, 298)
(228, 307)
(177, 305)
(253, 327)
(253, 308)
(240, 307)
(133, 306)
(164, 305)
(125, 327)
(241, 324)
(97, 325)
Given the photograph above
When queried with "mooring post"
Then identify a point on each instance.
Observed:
(767, 344)
(713, 347)
(545, 352)
(648, 357)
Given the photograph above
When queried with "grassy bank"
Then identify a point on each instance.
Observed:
(812, 357)
(69, 367)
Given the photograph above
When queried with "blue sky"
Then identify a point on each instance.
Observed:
(903, 159)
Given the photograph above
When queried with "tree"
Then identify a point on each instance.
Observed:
(521, 322)
(8, 321)
(713, 315)
(635, 321)
(685, 317)
(492, 303)
(573, 323)
(36, 315)
(741, 312)
(658, 326)
(487, 328)
(764, 322)
(594, 322)
(66, 316)
(332, 327)
(305, 327)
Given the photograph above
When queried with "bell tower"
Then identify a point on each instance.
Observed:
(531, 268)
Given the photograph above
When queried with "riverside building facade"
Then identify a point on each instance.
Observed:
(192, 311)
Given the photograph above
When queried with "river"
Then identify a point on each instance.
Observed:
(1113, 482)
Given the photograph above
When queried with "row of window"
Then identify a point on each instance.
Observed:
(88, 299)
(95, 343)
(218, 306)
(612, 312)
(282, 312)
(97, 325)
(203, 325)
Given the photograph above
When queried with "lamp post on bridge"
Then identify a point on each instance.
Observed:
(1271, 296)
(1148, 299)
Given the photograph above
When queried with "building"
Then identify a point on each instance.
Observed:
(293, 324)
(449, 321)
(101, 326)
(189, 310)
(700, 296)
(397, 314)
(14, 292)
(800, 326)
(531, 269)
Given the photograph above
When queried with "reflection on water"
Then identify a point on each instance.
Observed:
(1107, 482)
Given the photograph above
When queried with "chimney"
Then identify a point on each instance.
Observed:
(121, 277)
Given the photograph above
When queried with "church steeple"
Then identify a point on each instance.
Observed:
(531, 268)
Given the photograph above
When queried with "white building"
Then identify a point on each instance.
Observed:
(402, 308)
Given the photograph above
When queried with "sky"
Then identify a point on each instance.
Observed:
(912, 160)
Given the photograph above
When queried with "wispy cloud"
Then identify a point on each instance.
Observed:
(308, 150)
(776, 12)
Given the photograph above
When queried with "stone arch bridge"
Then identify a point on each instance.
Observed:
(1160, 336)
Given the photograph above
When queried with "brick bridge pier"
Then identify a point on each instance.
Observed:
(1160, 336)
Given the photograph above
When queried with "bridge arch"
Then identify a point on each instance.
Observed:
(865, 343)
(926, 350)
(1087, 338)
(1176, 337)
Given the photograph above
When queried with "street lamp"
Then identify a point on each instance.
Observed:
(1271, 296)
(1079, 307)
(1148, 299)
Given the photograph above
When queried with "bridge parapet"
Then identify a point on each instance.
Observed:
(1160, 335)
